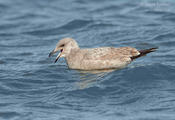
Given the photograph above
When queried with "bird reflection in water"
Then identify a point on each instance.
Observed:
(90, 78)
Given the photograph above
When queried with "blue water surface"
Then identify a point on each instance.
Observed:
(32, 87)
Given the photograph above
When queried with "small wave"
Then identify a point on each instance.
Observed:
(3, 7)
(9, 114)
(45, 61)
(168, 43)
(70, 26)
(169, 17)
(166, 36)
(129, 101)
(153, 12)
(27, 16)
(7, 34)
(76, 24)
(157, 109)
(102, 25)
(108, 8)
(13, 59)
(8, 26)
(25, 54)
(2, 62)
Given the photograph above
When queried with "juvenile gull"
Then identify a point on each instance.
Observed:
(96, 58)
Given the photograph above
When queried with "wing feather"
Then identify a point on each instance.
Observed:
(109, 53)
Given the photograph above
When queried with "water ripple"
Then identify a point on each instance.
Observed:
(33, 87)
(9, 114)
(71, 26)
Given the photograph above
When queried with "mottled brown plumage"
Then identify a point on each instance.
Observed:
(94, 58)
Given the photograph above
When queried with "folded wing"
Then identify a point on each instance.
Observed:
(109, 53)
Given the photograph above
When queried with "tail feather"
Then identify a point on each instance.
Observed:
(144, 52)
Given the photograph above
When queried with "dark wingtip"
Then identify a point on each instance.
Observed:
(153, 49)
(144, 52)
(148, 50)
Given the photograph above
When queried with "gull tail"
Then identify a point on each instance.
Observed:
(144, 52)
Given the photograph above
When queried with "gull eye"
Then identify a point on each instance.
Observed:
(62, 45)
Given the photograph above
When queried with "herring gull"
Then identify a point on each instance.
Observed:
(96, 58)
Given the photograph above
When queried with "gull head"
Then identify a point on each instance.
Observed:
(64, 46)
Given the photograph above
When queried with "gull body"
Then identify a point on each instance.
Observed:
(96, 58)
